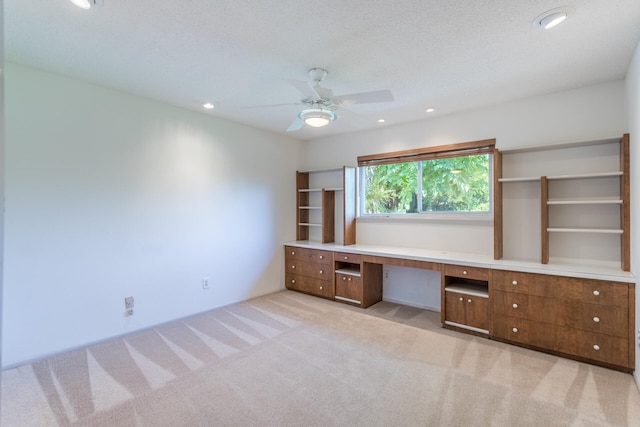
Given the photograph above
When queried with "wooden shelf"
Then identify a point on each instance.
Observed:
(521, 179)
(468, 289)
(585, 230)
(587, 175)
(349, 271)
(592, 201)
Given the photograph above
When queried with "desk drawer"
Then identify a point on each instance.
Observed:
(349, 258)
(307, 269)
(462, 271)
(308, 255)
(322, 288)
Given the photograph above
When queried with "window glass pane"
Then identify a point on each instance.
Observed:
(456, 184)
(390, 188)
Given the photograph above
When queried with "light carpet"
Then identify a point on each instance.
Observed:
(289, 359)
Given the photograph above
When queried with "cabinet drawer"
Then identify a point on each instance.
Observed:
(588, 317)
(467, 310)
(349, 287)
(313, 270)
(511, 328)
(574, 342)
(345, 257)
(571, 288)
(511, 304)
(476, 273)
(594, 346)
(308, 255)
(323, 288)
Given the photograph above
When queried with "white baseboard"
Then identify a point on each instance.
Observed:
(411, 304)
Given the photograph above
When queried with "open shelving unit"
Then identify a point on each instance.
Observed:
(316, 206)
(583, 203)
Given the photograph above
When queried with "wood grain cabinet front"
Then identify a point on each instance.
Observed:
(466, 299)
(349, 288)
(467, 310)
(583, 318)
(309, 271)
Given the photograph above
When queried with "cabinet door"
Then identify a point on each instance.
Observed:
(477, 312)
(467, 310)
(455, 309)
(349, 287)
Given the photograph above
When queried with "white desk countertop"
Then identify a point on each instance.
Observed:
(475, 260)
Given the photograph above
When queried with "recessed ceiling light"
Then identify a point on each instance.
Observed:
(380, 120)
(208, 105)
(87, 4)
(552, 18)
(430, 110)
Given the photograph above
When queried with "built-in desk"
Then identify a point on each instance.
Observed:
(582, 312)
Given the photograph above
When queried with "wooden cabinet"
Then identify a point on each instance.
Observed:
(582, 318)
(466, 298)
(356, 282)
(309, 271)
(316, 205)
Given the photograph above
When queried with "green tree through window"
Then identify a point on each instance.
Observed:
(450, 184)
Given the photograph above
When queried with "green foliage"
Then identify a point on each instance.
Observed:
(456, 184)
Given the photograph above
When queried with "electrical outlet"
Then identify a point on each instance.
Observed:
(128, 313)
(128, 302)
(205, 283)
(386, 274)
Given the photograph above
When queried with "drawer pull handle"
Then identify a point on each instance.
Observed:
(293, 252)
(596, 347)
(515, 305)
(321, 288)
(515, 330)
(293, 266)
(464, 272)
(461, 299)
(469, 300)
(596, 319)
(321, 272)
(321, 256)
(349, 279)
(515, 282)
(346, 257)
(293, 281)
(344, 278)
(596, 292)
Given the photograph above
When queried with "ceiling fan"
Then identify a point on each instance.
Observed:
(321, 105)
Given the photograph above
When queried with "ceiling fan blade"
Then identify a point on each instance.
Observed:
(364, 97)
(296, 125)
(272, 105)
(304, 88)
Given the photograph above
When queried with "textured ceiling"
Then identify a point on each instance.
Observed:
(451, 55)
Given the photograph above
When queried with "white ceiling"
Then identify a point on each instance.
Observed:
(452, 55)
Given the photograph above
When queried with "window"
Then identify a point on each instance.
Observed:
(452, 179)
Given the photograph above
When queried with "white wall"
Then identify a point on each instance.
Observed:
(110, 195)
(633, 112)
(591, 113)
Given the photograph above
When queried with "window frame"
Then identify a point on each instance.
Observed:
(430, 153)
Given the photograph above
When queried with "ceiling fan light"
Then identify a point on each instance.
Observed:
(317, 117)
